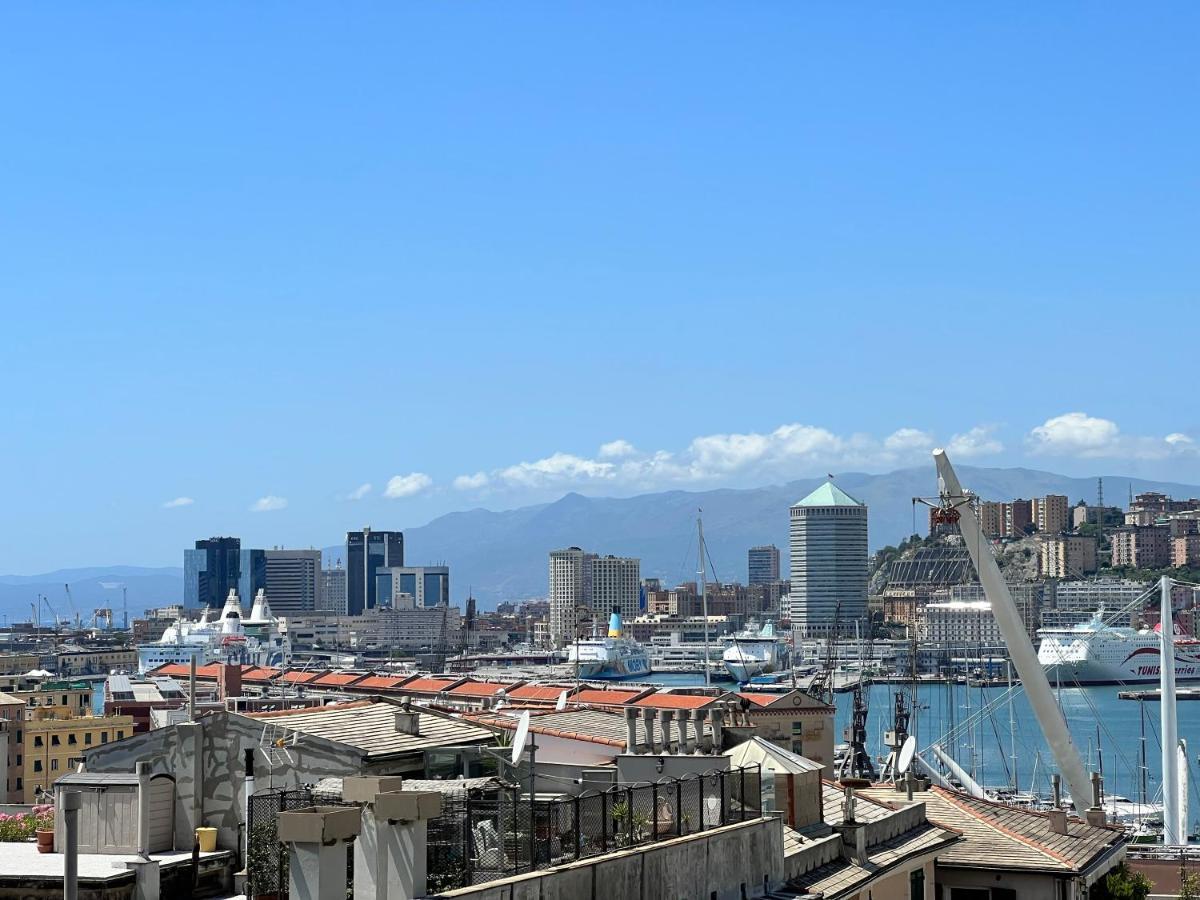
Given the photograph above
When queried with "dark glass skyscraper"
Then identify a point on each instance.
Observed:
(210, 570)
(367, 551)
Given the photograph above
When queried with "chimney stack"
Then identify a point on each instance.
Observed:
(631, 730)
(718, 727)
(667, 719)
(1058, 820)
(229, 681)
(685, 742)
(408, 721)
(650, 714)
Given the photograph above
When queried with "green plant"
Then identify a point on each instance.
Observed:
(23, 826)
(1122, 883)
(266, 860)
(1189, 886)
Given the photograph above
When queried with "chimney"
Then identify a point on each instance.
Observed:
(408, 721)
(1056, 789)
(700, 715)
(1058, 820)
(685, 742)
(229, 681)
(667, 718)
(718, 726)
(631, 715)
(650, 714)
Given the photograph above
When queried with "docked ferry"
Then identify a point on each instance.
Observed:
(1096, 653)
(755, 651)
(611, 657)
(258, 640)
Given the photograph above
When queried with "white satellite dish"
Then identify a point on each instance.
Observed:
(562, 702)
(907, 752)
(520, 739)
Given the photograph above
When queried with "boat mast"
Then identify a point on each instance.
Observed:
(1012, 733)
(1173, 834)
(703, 593)
(955, 504)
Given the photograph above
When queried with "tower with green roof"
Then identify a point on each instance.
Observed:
(828, 538)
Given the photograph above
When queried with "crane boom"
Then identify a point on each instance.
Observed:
(956, 506)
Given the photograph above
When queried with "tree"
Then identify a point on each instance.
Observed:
(1189, 886)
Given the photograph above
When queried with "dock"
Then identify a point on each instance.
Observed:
(1152, 695)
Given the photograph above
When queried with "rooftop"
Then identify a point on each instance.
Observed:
(829, 494)
(595, 726)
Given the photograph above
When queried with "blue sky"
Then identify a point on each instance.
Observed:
(260, 256)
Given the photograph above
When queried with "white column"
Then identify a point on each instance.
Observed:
(390, 853)
(1172, 835)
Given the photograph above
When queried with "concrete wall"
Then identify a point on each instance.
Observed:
(206, 759)
(1029, 886)
(743, 860)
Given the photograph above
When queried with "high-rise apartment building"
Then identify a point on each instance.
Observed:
(570, 589)
(413, 586)
(763, 564)
(293, 580)
(1066, 555)
(828, 562)
(210, 570)
(367, 552)
(331, 599)
(616, 587)
(1052, 514)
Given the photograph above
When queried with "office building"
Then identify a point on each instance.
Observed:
(368, 551)
(252, 575)
(763, 564)
(210, 570)
(961, 624)
(331, 599)
(828, 562)
(408, 587)
(293, 580)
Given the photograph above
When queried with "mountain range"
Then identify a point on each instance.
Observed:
(500, 555)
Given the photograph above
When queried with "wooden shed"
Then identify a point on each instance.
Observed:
(108, 814)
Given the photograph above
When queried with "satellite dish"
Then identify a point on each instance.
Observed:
(907, 752)
(562, 702)
(520, 739)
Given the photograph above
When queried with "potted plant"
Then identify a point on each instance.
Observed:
(266, 862)
(43, 827)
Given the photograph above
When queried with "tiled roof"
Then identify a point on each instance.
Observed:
(476, 689)
(379, 682)
(660, 700)
(592, 725)
(370, 726)
(538, 692)
(291, 676)
(996, 836)
(260, 673)
(428, 685)
(338, 679)
(605, 697)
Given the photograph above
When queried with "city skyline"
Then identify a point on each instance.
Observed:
(205, 262)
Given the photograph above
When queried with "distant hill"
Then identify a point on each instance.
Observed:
(502, 555)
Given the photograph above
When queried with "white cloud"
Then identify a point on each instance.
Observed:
(269, 503)
(471, 482)
(1081, 435)
(617, 449)
(979, 441)
(904, 440)
(407, 485)
(178, 502)
(359, 492)
(789, 451)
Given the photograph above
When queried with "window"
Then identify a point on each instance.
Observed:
(20, 783)
(64, 700)
(1003, 894)
(72, 739)
(104, 737)
(87, 738)
(916, 884)
(54, 765)
(120, 735)
(37, 765)
(37, 740)
(18, 735)
(19, 759)
(54, 740)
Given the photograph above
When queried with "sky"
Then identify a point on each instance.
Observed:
(280, 270)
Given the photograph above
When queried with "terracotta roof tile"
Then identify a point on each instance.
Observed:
(605, 698)
(427, 685)
(379, 682)
(676, 701)
(338, 679)
(291, 676)
(477, 689)
(538, 692)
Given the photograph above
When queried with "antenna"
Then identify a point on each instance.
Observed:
(907, 752)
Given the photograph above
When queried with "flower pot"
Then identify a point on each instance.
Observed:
(45, 841)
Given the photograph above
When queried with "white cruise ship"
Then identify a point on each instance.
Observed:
(609, 657)
(257, 640)
(1095, 653)
(755, 651)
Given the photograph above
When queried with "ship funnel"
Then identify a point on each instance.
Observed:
(614, 625)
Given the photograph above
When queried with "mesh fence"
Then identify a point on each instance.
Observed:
(267, 858)
(509, 835)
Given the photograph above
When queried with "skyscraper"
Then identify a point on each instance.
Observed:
(829, 562)
(210, 570)
(332, 597)
(293, 580)
(616, 586)
(366, 552)
(599, 585)
(253, 575)
(425, 585)
(763, 564)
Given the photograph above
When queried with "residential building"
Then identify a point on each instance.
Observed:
(12, 746)
(293, 580)
(991, 518)
(763, 565)
(1066, 555)
(71, 660)
(55, 745)
(1185, 550)
(420, 586)
(210, 570)
(66, 698)
(1141, 547)
(1072, 602)
(1096, 515)
(794, 721)
(367, 552)
(1018, 517)
(1051, 514)
(616, 586)
(828, 562)
(331, 599)
(570, 592)
(960, 623)
(382, 628)
(1028, 597)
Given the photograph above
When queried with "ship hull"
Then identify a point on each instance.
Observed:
(1103, 660)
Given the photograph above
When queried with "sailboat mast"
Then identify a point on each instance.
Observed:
(1173, 835)
(1012, 732)
(703, 593)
